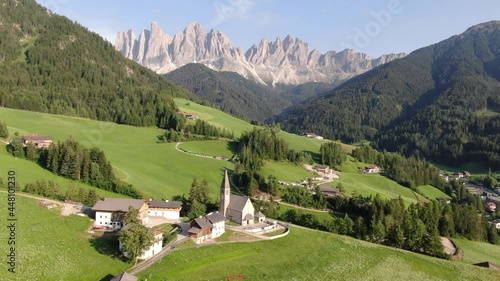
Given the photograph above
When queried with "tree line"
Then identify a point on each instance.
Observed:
(72, 160)
(200, 130)
(254, 148)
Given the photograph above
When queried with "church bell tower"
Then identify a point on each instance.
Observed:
(225, 191)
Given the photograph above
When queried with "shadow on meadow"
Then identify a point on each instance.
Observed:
(107, 278)
(107, 244)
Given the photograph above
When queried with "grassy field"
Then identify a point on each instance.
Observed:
(309, 255)
(158, 170)
(285, 171)
(431, 192)
(51, 247)
(371, 184)
(214, 148)
(28, 171)
(475, 252)
(214, 116)
(321, 216)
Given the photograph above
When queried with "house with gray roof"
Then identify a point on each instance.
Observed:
(37, 141)
(218, 222)
(164, 208)
(238, 209)
(200, 229)
(210, 226)
(110, 212)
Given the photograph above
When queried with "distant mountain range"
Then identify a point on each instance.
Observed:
(287, 61)
(441, 102)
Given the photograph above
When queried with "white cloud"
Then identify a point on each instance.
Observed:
(232, 9)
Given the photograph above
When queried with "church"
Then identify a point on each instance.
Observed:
(238, 209)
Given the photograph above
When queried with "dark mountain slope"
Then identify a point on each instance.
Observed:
(50, 64)
(229, 92)
(440, 102)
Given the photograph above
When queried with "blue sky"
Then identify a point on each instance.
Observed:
(373, 27)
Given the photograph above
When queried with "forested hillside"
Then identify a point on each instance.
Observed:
(241, 97)
(441, 102)
(230, 92)
(50, 64)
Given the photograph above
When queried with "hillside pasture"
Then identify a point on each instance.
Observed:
(285, 171)
(213, 148)
(475, 251)
(309, 255)
(371, 184)
(431, 192)
(157, 170)
(28, 171)
(51, 247)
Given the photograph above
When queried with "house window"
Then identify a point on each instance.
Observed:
(100, 217)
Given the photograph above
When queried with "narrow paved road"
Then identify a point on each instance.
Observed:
(36, 197)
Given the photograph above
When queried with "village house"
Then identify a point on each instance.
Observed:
(238, 209)
(110, 212)
(154, 249)
(193, 116)
(38, 141)
(372, 169)
(325, 169)
(200, 229)
(496, 223)
(329, 191)
(164, 208)
(492, 206)
(218, 222)
(312, 136)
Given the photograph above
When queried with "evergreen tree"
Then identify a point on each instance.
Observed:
(4, 132)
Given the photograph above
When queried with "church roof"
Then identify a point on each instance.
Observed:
(215, 217)
(248, 217)
(237, 202)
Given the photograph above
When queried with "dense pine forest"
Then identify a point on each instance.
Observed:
(50, 64)
(441, 103)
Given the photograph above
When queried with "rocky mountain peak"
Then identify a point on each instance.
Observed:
(287, 61)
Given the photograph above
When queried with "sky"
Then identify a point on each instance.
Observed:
(374, 27)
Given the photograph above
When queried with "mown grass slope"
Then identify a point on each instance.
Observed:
(431, 192)
(51, 247)
(158, 170)
(309, 255)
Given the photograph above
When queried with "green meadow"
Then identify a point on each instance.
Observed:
(51, 247)
(308, 255)
(431, 192)
(158, 170)
(371, 184)
(285, 171)
(213, 147)
(28, 171)
(320, 216)
(475, 251)
(214, 116)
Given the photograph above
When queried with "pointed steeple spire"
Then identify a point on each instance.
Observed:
(225, 194)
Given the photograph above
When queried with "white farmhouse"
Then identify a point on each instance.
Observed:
(238, 209)
(218, 224)
(110, 212)
(164, 208)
